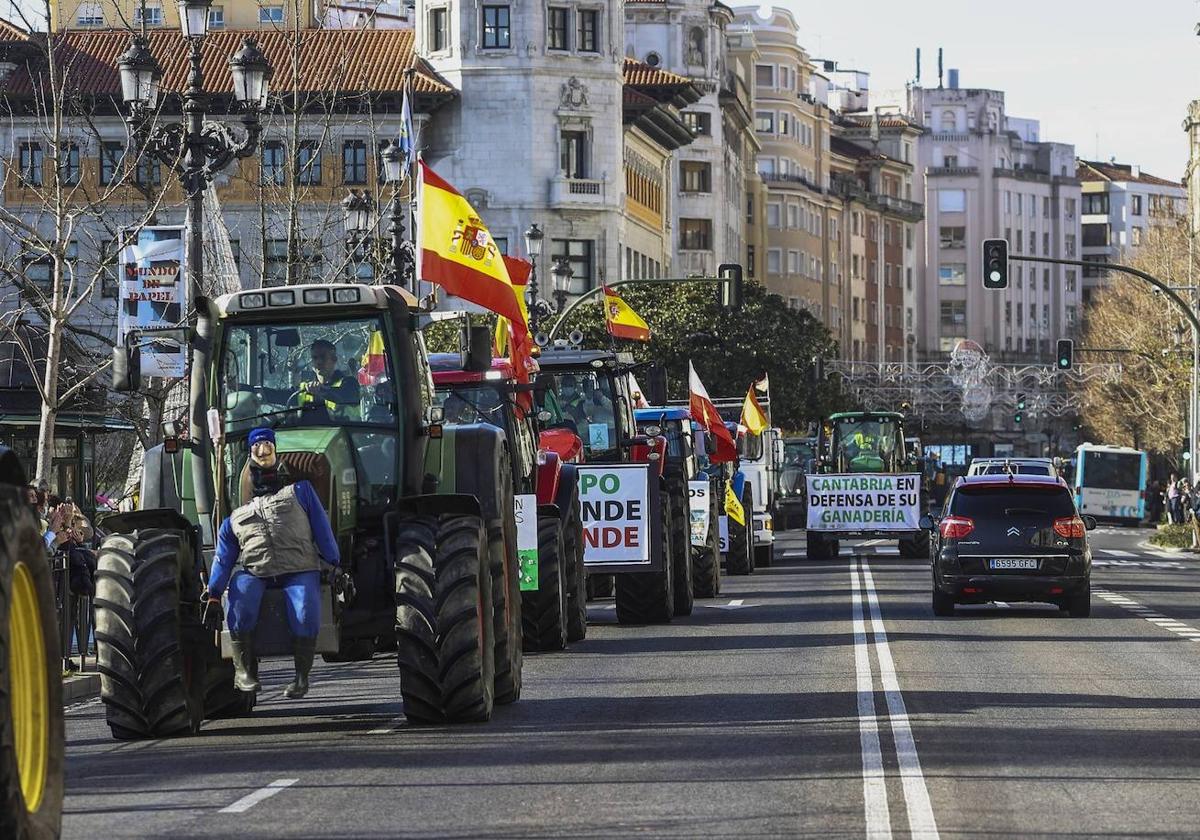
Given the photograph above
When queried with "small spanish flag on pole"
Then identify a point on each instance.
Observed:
(374, 361)
(753, 417)
(621, 320)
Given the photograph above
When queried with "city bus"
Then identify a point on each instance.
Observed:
(1110, 482)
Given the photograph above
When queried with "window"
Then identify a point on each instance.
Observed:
(952, 201)
(793, 262)
(308, 173)
(952, 237)
(497, 28)
(1046, 280)
(784, 122)
(750, 261)
(793, 216)
(149, 172)
(764, 75)
(1095, 236)
(773, 216)
(1095, 204)
(275, 259)
(556, 36)
(1045, 244)
(1071, 282)
(1045, 208)
(589, 30)
(354, 162)
(774, 260)
(699, 122)
(573, 154)
(216, 17)
(30, 160)
(111, 154)
(149, 14)
(438, 31)
(1033, 242)
(1135, 235)
(270, 14)
(579, 256)
(695, 234)
(950, 161)
(1135, 205)
(107, 265)
(1008, 312)
(1020, 203)
(1071, 317)
(952, 274)
(272, 163)
(68, 164)
(695, 176)
(1019, 242)
(90, 14)
(764, 122)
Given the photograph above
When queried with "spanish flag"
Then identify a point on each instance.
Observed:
(733, 505)
(518, 273)
(459, 254)
(705, 413)
(374, 361)
(753, 417)
(621, 320)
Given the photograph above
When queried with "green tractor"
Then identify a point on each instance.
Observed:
(429, 544)
(31, 704)
(867, 443)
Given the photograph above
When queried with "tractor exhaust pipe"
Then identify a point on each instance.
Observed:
(201, 447)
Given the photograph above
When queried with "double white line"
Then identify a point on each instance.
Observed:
(921, 822)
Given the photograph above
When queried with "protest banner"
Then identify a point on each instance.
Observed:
(864, 502)
(154, 298)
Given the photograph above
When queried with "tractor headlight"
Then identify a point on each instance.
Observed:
(283, 298)
(253, 300)
(346, 295)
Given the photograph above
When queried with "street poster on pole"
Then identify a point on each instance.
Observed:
(153, 272)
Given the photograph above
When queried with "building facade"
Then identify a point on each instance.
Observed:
(985, 174)
(1120, 204)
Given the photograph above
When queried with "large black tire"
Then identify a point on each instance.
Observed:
(221, 698)
(152, 684)
(577, 578)
(649, 597)
(1079, 605)
(31, 705)
(681, 551)
(506, 604)
(943, 604)
(599, 586)
(739, 560)
(353, 650)
(706, 578)
(820, 547)
(544, 611)
(917, 547)
(445, 648)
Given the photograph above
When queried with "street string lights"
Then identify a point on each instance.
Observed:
(196, 149)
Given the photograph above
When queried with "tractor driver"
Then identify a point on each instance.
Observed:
(329, 387)
(280, 538)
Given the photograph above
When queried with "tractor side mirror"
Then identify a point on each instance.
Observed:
(126, 368)
(926, 523)
(287, 337)
(656, 385)
(478, 355)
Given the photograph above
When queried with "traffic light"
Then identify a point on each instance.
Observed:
(1019, 414)
(731, 285)
(1021, 401)
(1066, 354)
(995, 263)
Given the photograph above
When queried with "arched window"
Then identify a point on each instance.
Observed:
(949, 121)
(696, 46)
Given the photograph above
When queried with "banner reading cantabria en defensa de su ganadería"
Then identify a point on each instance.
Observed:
(860, 502)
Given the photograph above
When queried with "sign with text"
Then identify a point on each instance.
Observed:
(527, 540)
(616, 514)
(153, 283)
(700, 505)
(864, 502)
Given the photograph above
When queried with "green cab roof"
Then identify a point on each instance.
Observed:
(867, 415)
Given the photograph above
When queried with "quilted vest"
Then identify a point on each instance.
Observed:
(274, 535)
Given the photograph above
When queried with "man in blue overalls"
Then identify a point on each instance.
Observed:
(280, 538)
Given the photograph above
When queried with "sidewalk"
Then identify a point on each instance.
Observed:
(80, 687)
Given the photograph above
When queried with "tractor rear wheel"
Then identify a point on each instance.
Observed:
(445, 647)
(599, 586)
(577, 574)
(681, 551)
(740, 558)
(151, 683)
(648, 597)
(544, 610)
(506, 594)
(31, 710)
(916, 547)
(707, 579)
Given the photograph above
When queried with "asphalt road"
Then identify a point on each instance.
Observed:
(812, 699)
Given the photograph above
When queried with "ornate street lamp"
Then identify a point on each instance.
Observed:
(561, 274)
(193, 18)
(140, 76)
(251, 74)
(394, 174)
(533, 250)
(356, 210)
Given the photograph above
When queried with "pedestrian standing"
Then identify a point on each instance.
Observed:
(1174, 512)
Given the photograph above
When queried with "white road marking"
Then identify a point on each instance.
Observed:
(250, 800)
(390, 728)
(1001, 604)
(1156, 618)
(879, 823)
(921, 822)
(1116, 552)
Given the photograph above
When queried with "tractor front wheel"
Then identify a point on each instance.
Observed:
(544, 610)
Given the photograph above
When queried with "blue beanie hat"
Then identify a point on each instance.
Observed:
(260, 434)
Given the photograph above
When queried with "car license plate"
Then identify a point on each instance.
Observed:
(1014, 563)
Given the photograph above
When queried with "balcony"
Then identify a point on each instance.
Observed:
(577, 192)
(703, 263)
(778, 178)
(951, 171)
(911, 210)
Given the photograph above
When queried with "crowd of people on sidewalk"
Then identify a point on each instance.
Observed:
(70, 542)
(1176, 501)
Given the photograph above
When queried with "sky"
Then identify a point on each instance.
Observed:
(1113, 79)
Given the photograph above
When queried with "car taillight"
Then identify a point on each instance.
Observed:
(1071, 527)
(955, 527)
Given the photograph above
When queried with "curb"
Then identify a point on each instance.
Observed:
(1146, 545)
(80, 687)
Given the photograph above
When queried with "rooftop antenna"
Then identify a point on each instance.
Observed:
(939, 68)
(918, 66)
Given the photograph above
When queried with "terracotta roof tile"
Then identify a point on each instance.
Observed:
(1090, 170)
(357, 60)
(640, 74)
(9, 31)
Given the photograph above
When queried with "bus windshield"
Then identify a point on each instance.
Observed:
(1111, 470)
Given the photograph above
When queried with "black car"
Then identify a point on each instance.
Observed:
(1011, 538)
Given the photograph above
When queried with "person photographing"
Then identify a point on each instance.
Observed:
(281, 538)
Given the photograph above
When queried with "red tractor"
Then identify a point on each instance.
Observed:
(545, 478)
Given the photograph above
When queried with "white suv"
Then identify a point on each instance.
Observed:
(1013, 466)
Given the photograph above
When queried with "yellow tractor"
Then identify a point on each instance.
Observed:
(31, 711)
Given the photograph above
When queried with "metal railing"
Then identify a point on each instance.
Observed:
(76, 616)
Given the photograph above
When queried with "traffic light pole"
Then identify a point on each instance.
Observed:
(1188, 312)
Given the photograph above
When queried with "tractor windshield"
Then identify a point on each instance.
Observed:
(867, 444)
(326, 373)
(464, 404)
(582, 401)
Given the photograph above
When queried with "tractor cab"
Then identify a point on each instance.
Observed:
(866, 442)
(675, 425)
(588, 393)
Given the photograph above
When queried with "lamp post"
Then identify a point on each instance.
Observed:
(533, 250)
(561, 274)
(402, 273)
(196, 149)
